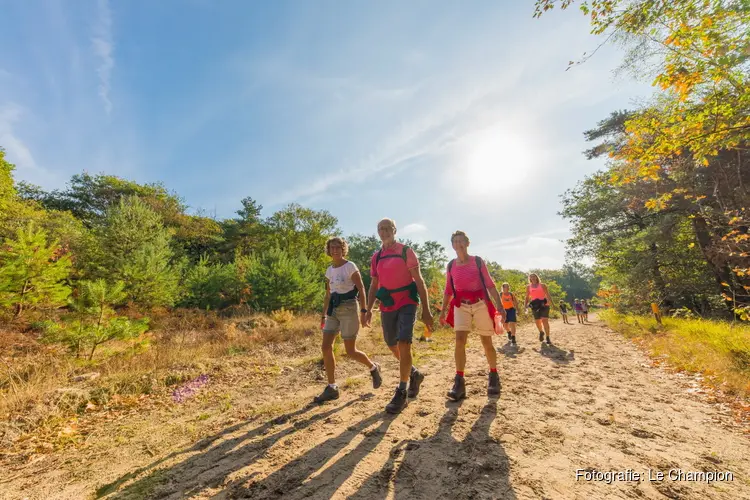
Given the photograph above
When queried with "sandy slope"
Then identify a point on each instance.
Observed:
(591, 402)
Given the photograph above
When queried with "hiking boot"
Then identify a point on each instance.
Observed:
(415, 380)
(493, 387)
(549, 342)
(541, 336)
(377, 380)
(459, 389)
(398, 402)
(328, 394)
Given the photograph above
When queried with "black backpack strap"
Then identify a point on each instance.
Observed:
(450, 276)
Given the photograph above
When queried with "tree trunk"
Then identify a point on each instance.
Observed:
(720, 270)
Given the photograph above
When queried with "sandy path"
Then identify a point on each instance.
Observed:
(592, 402)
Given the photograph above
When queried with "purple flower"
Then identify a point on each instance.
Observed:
(189, 389)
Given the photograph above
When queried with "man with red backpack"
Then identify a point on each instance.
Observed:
(397, 282)
(468, 288)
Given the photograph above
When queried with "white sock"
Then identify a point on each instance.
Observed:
(374, 367)
(333, 386)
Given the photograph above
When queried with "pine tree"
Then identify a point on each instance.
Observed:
(134, 247)
(33, 273)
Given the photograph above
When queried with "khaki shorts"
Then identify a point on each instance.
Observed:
(345, 318)
(463, 315)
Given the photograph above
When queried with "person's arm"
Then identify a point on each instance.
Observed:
(496, 297)
(515, 302)
(422, 289)
(447, 296)
(357, 279)
(526, 302)
(326, 300)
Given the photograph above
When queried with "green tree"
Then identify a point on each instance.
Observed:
(7, 190)
(33, 272)
(277, 279)
(133, 246)
(300, 230)
(93, 322)
(361, 250)
(215, 286)
(244, 234)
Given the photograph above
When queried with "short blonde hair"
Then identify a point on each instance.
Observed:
(505, 284)
(459, 233)
(535, 275)
(340, 241)
(389, 221)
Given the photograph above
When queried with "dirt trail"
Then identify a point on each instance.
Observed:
(590, 402)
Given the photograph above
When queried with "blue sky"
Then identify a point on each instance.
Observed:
(441, 115)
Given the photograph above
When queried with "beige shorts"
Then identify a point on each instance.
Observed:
(345, 318)
(463, 315)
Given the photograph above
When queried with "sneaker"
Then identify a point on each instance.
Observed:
(541, 336)
(377, 380)
(459, 389)
(328, 394)
(415, 380)
(493, 387)
(549, 342)
(513, 340)
(398, 402)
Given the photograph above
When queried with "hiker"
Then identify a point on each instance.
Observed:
(585, 310)
(398, 284)
(344, 289)
(564, 311)
(510, 305)
(468, 288)
(579, 310)
(537, 296)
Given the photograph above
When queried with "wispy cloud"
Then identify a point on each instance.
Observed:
(18, 152)
(103, 49)
(413, 229)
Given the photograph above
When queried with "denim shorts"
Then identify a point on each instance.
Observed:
(398, 325)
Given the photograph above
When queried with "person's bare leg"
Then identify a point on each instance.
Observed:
(329, 361)
(404, 358)
(356, 354)
(395, 351)
(460, 351)
(489, 351)
(545, 323)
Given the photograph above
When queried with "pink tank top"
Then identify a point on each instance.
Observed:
(537, 292)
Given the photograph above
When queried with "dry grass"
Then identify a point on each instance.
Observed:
(38, 389)
(718, 350)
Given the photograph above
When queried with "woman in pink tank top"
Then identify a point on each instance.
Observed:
(538, 297)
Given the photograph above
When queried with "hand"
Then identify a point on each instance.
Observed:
(441, 319)
(368, 319)
(363, 319)
(427, 318)
(322, 322)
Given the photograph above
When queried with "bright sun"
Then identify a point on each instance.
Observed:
(494, 160)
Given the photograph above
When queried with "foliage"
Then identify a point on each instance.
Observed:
(686, 152)
(214, 286)
(33, 272)
(277, 279)
(134, 247)
(93, 322)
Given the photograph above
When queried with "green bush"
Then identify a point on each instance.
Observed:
(278, 280)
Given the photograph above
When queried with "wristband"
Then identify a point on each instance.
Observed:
(363, 311)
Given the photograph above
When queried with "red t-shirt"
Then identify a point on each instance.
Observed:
(394, 273)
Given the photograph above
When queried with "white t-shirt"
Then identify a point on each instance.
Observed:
(340, 278)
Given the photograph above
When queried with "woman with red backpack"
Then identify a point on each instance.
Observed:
(467, 290)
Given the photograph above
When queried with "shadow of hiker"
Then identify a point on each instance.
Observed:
(510, 350)
(310, 475)
(556, 354)
(213, 465)
(441, 466)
